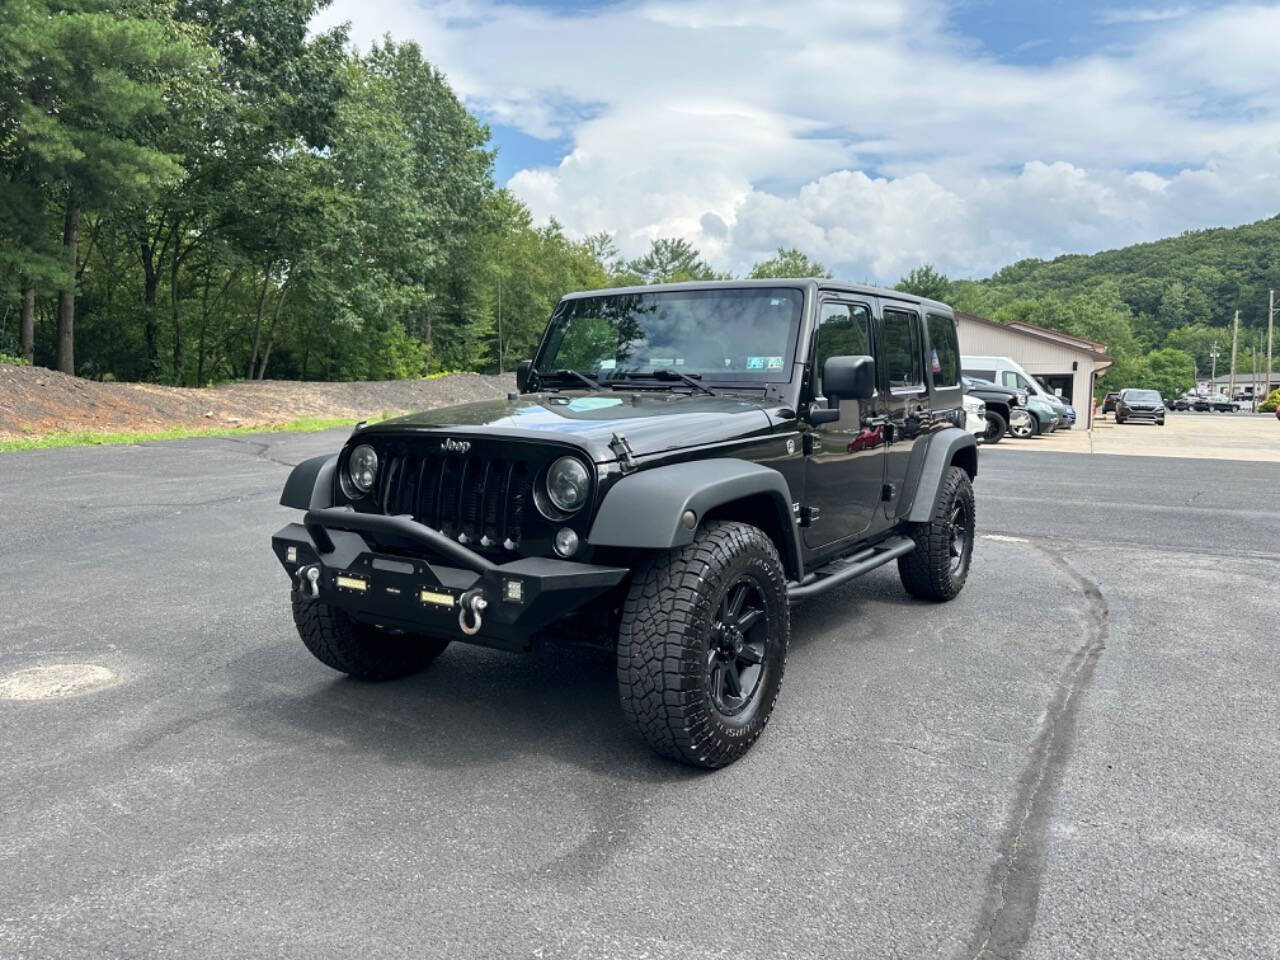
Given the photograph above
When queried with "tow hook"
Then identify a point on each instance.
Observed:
(472, 603)
(309, 581)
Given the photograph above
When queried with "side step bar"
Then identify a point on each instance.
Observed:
(841, 571)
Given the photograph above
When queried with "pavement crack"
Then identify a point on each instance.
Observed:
(260, 450)
(1013, 885)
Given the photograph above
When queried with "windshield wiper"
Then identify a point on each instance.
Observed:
(664, 374)
(561, 374)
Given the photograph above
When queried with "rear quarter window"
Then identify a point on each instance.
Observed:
(944, 351)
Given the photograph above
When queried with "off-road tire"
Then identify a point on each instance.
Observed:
(360, 649)
(996, 427)
(929, 571)
(667, 643)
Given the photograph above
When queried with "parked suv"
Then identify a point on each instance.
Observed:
(1134, 404)
(680, 465)
(1004, 408)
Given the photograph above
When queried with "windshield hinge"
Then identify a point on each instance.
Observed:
(622, 450)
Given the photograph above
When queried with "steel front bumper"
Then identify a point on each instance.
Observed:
(399, 573)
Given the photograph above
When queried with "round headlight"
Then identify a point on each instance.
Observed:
(362, 467)
(567, 484)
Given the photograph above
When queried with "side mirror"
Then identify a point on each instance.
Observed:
(522, 374)
(849, 378)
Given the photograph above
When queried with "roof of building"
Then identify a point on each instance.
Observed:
(1085, 341)
(1056, 337)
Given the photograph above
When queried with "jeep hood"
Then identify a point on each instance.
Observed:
(654, 422)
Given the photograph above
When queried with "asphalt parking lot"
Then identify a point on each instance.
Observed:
(1187, 435)
(1079, 757)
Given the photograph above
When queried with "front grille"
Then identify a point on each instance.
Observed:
(473, 498)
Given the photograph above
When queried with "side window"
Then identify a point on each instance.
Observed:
(1010, 379)
(901, 349)
(988, 375)
(944, 352)
(844, 330)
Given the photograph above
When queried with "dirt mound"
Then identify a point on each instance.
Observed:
(34, 400)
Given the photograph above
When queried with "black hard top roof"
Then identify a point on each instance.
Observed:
(803, 283)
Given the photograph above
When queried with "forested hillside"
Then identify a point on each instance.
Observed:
(199, 191)
(1159, 307)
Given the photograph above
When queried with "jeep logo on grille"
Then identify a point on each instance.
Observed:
(455, 446)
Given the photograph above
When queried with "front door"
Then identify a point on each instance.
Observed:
(902, 357)
(844, 467)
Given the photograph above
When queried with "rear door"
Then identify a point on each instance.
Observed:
(901, 358)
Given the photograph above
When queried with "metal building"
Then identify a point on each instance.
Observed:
(1067, 364)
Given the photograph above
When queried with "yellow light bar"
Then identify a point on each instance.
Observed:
(439, 599)
(351, 583)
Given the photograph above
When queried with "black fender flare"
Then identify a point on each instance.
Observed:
(310, 484)
(929, 462)
(644, 511)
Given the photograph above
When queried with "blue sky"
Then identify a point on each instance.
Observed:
(874, 135)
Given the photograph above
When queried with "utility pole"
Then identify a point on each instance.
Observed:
(1235, 338)
(1271, 315)
(1257, 349)
(1214, 354)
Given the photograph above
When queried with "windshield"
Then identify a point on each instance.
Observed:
(739, 335)
(1141, 396)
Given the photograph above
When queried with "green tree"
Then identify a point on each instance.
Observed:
(670, 260)
(1169, 371)
(84, 79)
(925, 281)
(789, 262)
(1198, 341)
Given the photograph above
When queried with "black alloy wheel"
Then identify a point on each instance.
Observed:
(996, 427)
(702, 646)
(959, 534)
(939, 566)
(739, 648)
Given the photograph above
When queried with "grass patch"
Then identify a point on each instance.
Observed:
(88, 438)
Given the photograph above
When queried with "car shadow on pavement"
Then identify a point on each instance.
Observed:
(471, 707)
(475, 706)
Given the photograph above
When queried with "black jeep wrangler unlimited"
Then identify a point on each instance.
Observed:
(680, 465)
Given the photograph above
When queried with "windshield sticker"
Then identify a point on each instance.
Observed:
(764, 363)
(587, 404)
(755, 363)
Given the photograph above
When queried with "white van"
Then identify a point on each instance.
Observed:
(1007, 372)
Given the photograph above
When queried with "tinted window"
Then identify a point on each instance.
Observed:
(987, 375)
(944, 351)
(901, 353)
(844, 331)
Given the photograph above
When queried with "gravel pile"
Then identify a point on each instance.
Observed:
(34, 400)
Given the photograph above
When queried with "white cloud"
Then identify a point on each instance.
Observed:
(867, 134)
(1142, 14)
